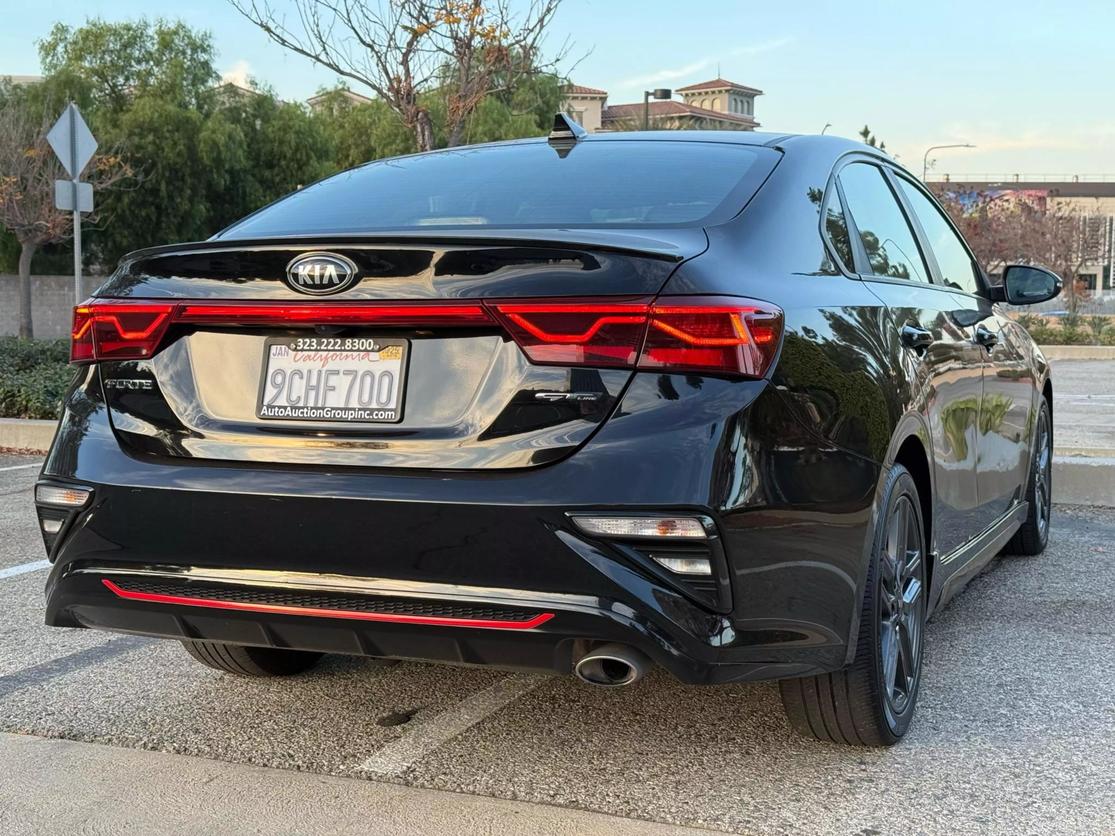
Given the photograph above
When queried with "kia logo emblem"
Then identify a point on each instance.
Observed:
(320, 273)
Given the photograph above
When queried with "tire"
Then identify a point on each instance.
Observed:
(871, 702)
(1033, 536)
(251, 661)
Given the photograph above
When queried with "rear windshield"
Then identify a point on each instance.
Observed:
(620, 183)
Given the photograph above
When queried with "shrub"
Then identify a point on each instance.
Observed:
(1071, 335)
(1044, 335)
(1098, 324)
(34, 377)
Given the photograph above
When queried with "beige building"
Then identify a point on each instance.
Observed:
(709, 105)
(322, 100)
(1093, 200)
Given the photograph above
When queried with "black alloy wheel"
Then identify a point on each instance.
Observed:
(1033, 536)
(871, 702)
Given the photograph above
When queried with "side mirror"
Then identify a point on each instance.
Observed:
(1024, 284)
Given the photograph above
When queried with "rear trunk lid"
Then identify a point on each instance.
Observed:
(437, 315)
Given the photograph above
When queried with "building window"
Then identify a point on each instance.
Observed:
(716, 104)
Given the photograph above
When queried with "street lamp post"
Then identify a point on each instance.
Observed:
(659, 94)
(925, 159)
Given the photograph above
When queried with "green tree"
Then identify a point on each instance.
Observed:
(256, 149)
(869, 139)
(204, 155)
(123, 61)
(360, 131)
(28, 170)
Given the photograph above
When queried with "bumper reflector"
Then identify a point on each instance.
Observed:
(673, 528)
(52, 526)
(685, 565)
(321, 612)
(66, 497)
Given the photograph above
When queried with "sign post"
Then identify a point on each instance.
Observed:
(74, 144)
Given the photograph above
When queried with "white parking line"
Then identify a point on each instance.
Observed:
(21, 466)
(24, 568)
(393, 759)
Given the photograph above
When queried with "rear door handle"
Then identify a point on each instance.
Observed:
(986, 337)
(916, 337)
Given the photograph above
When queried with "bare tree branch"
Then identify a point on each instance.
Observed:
(403, 50)
(28, 169)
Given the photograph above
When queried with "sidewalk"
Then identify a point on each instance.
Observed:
(63, 786)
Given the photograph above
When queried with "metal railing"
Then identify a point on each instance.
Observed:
(979, 177)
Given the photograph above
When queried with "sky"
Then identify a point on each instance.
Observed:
(1030, 84)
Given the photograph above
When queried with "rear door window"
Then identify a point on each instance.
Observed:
(891, 247)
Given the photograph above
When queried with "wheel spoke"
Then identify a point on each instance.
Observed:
(907, 657)
(902, 541)
(912, 592)
(913, 564)
(890, 656)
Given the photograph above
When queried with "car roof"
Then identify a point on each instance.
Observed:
(784, 141)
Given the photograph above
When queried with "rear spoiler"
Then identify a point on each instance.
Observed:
(670, 244)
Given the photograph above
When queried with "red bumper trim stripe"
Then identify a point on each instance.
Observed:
(428, 620)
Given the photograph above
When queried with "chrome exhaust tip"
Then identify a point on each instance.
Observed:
(612, 666)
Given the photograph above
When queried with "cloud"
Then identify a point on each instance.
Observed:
(687, 71)
(992, 137)
(240, 73)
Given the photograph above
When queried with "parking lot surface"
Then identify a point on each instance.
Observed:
(1015, 730)
(1084, 392)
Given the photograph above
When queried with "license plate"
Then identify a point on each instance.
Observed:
(357, 379)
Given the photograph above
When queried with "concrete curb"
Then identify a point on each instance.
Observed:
(1078, 352)
(27, 434)
(1084, 480)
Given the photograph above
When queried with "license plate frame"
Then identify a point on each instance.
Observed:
(373, 414)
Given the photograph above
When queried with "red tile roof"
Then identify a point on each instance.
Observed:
(660, 109)
(581, 90)
(718, 84)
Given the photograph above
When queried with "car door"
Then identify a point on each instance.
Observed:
(943, 363)
(1008, 387)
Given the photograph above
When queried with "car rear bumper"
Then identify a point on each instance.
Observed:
(512, 629)
(500, 542)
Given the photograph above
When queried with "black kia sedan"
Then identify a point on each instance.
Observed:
(739, 405)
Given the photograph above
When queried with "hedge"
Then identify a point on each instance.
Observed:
(34, 376)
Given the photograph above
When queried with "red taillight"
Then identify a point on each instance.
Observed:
(576, 333)
(401, 314)
(118, 330)
(717, 335)
(122, 329)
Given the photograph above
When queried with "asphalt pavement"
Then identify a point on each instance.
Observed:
(1084, 406)
(1015, 731)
